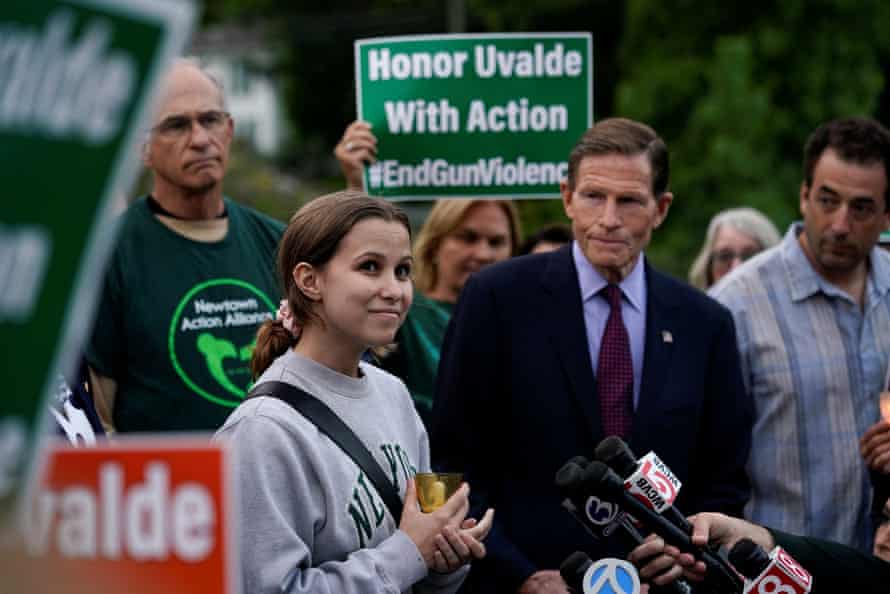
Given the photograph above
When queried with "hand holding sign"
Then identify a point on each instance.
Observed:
(469, 115)
(356, 149)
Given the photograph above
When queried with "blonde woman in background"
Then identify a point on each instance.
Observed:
(733, 236)
(458, 238)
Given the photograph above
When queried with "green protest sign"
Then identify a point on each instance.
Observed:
(473, 115)
(76, 79)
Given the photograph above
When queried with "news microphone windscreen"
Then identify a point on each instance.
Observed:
(573, 568)
(748, 558)
(568, 478)
(599, 476)
(614, 452)
(575, 562)
(579, 460)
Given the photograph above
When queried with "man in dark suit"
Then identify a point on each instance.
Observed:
(537, 366)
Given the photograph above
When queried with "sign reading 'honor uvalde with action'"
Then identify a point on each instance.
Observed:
(473, 115)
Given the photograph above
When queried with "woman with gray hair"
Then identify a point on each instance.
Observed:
(733, 236)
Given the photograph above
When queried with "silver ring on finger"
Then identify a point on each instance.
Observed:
(349, 146)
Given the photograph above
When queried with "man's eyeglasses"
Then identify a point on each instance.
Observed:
(727, 256)
(179, 126)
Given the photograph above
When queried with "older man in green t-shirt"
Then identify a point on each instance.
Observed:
(191, 279)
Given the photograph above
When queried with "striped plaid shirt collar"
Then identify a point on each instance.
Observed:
(805, 282)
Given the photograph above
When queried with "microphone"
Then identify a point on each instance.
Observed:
(612, 576)
(573, 569)
(776, 572)
(599, 479)
(615, 453)
(601, 518)
(652, 482)
(604, 520)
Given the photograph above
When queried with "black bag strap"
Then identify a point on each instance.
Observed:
(327, 420)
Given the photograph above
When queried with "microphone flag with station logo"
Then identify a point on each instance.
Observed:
(611, 576)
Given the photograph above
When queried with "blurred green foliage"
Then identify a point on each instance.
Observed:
(734, 88)
(255, 182)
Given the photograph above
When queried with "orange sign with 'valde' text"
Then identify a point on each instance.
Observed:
(138, 516)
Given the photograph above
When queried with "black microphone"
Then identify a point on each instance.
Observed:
(619, 457)
(769, 572)
(616, 454)
(599, 479)
(573, 569)
(579, 460)
(749, 558)
(603, 520)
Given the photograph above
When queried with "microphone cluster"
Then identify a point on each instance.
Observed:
(616, 496)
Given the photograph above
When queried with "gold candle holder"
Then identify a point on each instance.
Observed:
(434, 488)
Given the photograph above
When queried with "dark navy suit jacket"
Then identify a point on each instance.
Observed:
(516, 398)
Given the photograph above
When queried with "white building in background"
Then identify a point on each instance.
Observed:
(244, 61)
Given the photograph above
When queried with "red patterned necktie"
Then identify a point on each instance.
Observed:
(614, 370)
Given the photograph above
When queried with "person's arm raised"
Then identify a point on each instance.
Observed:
(357, 148)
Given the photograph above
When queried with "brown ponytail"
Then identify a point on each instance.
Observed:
(272, 340)
(313, 236)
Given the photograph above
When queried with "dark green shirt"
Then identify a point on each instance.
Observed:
(418, 344)
(177, 320)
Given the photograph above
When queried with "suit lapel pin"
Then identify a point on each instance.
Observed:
(666, 336)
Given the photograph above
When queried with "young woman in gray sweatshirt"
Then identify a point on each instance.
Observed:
(311, 521)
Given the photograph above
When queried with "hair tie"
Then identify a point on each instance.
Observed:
(286, 317)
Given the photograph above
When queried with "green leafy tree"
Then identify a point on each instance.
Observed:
(733, 88)
(736, 90)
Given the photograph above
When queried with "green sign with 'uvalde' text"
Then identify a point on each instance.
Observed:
(76, 78)
(473, 115)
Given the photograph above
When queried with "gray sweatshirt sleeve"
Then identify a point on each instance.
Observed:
(283, 508)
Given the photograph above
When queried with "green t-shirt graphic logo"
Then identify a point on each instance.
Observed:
(212, 335)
